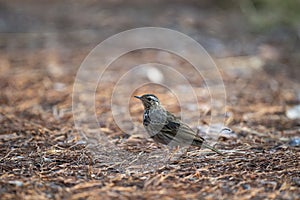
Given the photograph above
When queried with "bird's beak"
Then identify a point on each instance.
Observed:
(138, 97)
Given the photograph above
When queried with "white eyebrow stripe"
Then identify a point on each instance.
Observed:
(153, 98)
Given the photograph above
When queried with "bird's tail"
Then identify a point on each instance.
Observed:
(204, 144)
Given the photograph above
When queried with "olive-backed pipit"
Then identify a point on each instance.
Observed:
(165, 128)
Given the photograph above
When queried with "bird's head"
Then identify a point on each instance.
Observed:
(148, 100)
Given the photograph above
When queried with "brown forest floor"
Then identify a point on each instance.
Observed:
(42, 159)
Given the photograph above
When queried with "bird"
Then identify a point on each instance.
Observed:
(165, 128)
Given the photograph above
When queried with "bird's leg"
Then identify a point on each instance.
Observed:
(176, 153)
(172, 152)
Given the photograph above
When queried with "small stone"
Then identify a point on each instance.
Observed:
(47, 159)
(227, 133)
(295, 142)
(59, 86)
(155, 75)
(81, 142)
(246, 186)
(293, 112)
(19, 157)
(17, 183)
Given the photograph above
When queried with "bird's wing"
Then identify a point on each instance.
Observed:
(178, 131)
(188, 135)
(184, 135)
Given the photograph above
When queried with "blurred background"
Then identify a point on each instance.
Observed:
(63, 29)
(256, 45)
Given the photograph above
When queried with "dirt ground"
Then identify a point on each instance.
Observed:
(43, 155)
